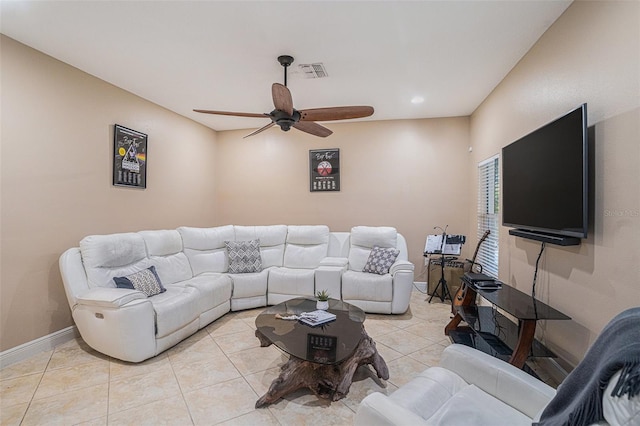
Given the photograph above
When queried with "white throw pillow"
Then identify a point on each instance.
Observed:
(244, 256)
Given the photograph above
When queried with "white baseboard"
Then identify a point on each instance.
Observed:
(34, 347)
(421, 285)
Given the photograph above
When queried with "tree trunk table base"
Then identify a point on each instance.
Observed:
(327, 381)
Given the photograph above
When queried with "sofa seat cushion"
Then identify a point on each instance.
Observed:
(472, 406)
(428, 391)
(213, 289)
(175, 308)
(249, 285)
(365, 286)
(292, 281)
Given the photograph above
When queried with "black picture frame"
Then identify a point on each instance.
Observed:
(129, 157)
(324, 170)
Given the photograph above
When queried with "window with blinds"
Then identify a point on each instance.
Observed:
(488, 214)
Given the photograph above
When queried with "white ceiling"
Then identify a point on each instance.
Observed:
(222, 55)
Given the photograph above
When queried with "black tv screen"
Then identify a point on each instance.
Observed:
(545, 176)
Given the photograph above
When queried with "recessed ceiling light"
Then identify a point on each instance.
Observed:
(417, 100)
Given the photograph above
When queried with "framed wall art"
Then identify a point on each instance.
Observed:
(324, 170)
(129, 158)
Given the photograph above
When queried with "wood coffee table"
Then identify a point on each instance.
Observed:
(323, 358)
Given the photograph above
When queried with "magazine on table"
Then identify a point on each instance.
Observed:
(316, 317)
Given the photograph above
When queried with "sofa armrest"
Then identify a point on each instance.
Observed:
(334, 261)
(378, 409)
(73, 275)
(498, 378)
(109, 297)
(401, 265)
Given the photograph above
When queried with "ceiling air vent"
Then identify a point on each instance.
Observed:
(316, 70)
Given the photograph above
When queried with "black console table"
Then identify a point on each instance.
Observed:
(490, 331)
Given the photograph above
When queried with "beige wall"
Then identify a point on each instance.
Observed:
(56, 148)
(408, 174)
(591, 54)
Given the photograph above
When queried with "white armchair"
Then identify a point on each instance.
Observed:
(468, 388)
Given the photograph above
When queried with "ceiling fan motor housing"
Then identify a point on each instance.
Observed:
(284, 120)
(285, 60)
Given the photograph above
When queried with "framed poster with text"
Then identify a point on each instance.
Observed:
(129, 158)
(324, 170)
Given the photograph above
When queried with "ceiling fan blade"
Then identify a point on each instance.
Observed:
(335, 113)
(312, 128)
(237, 114)
(282, 98)
(261, 129)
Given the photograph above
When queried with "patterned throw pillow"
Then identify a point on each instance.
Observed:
(244, 256)
(146, 281)
(380, 260)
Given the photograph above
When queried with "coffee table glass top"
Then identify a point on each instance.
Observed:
(326, 343)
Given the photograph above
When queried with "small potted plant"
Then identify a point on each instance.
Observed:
(323, 300)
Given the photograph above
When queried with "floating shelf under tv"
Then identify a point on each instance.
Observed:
(559, 240)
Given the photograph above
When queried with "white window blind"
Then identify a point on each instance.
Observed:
(488, 214)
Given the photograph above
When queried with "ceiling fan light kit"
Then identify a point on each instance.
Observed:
(286, 116)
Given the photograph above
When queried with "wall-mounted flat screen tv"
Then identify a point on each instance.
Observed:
(545, 178)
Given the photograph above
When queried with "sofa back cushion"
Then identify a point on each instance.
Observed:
(272, 239)
(364, 238)
(115, 255)
(306, 246)
(165, 250)
(339, 244)
(205, 248)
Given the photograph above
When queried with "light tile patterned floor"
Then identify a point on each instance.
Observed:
(213, 377)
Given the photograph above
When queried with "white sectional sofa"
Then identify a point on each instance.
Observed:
(192, 265)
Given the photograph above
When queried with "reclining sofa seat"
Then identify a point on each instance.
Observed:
(306, 247)
(205, 248)
(165, 249)
(125, 323)
(386, 294)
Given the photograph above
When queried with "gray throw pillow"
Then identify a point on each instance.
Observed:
(244, 256)
(146, 281)
(380, 260)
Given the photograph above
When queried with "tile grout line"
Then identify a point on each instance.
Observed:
(36, 388)
(184, 399)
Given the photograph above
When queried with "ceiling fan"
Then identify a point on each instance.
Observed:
(286, 116)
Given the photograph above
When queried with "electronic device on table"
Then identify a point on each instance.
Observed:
(482, 281)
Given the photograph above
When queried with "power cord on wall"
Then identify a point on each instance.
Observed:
(535, 274)
(421, 274)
